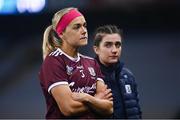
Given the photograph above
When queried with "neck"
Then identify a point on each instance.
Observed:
(105, 64)
(71, 51)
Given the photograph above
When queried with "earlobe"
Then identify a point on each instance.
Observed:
(61, 35)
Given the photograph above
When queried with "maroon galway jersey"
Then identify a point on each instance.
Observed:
(81, 74)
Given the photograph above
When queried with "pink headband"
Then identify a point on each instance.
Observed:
(66, 19)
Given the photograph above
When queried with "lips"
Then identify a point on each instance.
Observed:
(113, 56)
(83, 38)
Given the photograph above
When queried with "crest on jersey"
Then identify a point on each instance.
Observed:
(69, 70)
(91, 71)
(128, 89)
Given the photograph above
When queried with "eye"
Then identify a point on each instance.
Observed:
(77, 26)
(118, 44)
(108, 44)
(85, 25)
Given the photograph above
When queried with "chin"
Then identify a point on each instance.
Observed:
(113, 61)
(84, 43)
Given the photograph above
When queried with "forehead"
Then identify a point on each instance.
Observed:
(78, 20)
(111, 38)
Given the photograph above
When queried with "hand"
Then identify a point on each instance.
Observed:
(105, 94)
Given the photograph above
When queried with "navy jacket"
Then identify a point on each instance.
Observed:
(124, 90)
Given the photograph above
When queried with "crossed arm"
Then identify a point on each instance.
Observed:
(72, 104)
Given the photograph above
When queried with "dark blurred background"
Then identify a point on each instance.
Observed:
(151, 49)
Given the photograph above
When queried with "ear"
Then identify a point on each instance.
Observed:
(96, 49)
(61, 35)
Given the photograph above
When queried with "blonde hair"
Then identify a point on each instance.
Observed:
(51, 39)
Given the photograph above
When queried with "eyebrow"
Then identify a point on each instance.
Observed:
(107, 42)
(79, 24)
(112, 42)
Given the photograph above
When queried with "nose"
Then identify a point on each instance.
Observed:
(84, 30)
(114, 49)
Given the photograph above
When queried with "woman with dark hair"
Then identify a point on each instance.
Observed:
(107, 46)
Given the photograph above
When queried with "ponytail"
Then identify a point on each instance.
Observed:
(50, 41)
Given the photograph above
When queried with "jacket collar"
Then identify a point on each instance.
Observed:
(114, 67)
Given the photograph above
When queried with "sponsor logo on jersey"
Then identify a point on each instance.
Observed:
(80, 67)
(69, 70)
(86, 89)
(92, 71)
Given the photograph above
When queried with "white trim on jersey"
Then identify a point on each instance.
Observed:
(56, 84)
(84, 56)
(54, 53)
(71, 58)
(100, 79)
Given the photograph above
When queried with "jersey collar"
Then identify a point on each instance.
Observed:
(76, 59)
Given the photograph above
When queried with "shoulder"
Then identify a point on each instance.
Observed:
(127, 74)
(54, 57)
(86, 57)
(128, 77)
(55, 53)
(52, 64)
(126, 71)
(89, 61)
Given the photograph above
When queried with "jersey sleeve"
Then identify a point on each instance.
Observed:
(53, 73)
(100, 76)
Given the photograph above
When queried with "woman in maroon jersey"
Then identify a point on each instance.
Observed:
(72, 83)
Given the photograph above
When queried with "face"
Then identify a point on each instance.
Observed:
(75, 34)
(109, 49)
